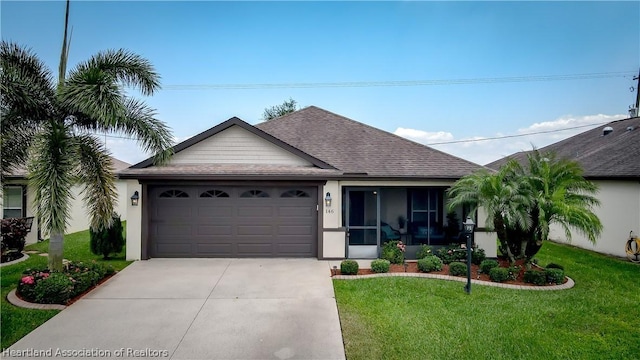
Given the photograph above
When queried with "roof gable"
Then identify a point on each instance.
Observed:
(615, 155)
(236, 142)
(361, 150)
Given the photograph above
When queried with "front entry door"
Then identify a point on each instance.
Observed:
(363, 212)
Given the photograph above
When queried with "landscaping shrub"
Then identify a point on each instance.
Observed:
(554, 276)
(57, 288)
(430, 263)
(457, 269)
(392, 251)
(450, 254)
(107, 241)
(478, 256)
(487, 265)
(349, 267)
(535, 277)
(513, 271)
(499, 274)
(380, 266)
(13, 231)
(554, 266)
(42, 286)
(423, 252)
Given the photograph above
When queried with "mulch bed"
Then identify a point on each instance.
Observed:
(79, 296)
(412, 267)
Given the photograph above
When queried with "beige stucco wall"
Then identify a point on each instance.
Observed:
(619, 212)
(134, 222)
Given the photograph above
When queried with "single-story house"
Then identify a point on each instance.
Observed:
(308, 184)
(610, 157)
(17, 201)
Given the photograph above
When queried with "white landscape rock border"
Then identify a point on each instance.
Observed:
(23, 258)
(568, 285)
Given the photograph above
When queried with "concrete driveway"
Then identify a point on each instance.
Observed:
(201, 309)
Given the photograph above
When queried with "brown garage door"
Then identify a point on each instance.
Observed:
(217, 221)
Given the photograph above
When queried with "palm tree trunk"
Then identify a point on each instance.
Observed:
(55, 251)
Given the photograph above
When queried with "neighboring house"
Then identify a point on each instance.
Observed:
(307, 184)
(17, 201)
(610, 157)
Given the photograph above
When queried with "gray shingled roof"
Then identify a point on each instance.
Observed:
(356, 148)
(616, 155)
(21, 172)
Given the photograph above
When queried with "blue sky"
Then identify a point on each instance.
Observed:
(212, 43)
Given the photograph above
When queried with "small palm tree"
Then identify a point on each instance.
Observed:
(504, 197)
(50, 125)
(522, 202)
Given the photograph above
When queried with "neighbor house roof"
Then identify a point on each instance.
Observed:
(336, 146)
(21, 172)
(601, 154)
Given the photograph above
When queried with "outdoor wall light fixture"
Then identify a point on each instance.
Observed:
(327, 199)
(135, 198)
(468, 230)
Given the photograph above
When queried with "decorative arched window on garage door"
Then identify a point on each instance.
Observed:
(214, 194)
(173, 193)
(295, 194)
(254, 194)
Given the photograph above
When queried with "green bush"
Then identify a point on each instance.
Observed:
(37, 285)
(450, 254)
(349, 267)
(513, 271)
(380, 266)
(499, 274)
(423, 252)
(554, 266)
(487, 265)
(57, 288)
(457, 269)
(107, 241)
(391, 252)
(554, 276)
(535, 277)
(478, 256)
(430, 263)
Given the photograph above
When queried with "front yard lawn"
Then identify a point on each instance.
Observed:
(17, 322)
(416, 318)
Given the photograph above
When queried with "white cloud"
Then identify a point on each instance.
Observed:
(481, 151)
(423, 136)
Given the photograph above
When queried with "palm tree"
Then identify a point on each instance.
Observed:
(522, 202)
(50, 125)
(561, 195)
(504, 197)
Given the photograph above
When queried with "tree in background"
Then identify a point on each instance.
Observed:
(285, 108)
(108, 240)
(55, 121)
(523, 201)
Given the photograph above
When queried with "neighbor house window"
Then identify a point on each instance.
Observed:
(13, 202)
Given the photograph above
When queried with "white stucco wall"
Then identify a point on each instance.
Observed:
(619, 212)
(134, 221)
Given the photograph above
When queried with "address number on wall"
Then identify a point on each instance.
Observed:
(328, 211)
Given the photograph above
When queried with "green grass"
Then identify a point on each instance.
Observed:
(414, 318)
(17, 322)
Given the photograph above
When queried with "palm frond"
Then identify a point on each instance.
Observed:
(51, 174)
(95, 172)
(125, 67)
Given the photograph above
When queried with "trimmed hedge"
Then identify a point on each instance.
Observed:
(457, 269)
(535, 277)
(424, 251)
(487, 265)
(349, 267)
(554, 276)
(499, 274)
(380, 266)
(430, 263)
